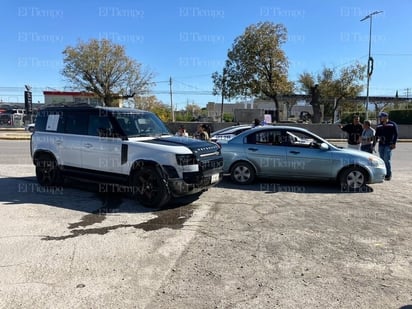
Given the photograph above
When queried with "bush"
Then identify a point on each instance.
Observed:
(401, 116)
(348, 118)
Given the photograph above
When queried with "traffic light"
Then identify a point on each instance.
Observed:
(28, 104)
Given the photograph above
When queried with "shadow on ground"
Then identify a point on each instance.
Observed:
(271, 186)
(97, 206)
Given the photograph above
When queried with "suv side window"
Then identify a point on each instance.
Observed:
(76, 123)
(50, 121)
(99, 124)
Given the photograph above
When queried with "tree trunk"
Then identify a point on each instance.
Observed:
(275, 100)
(317, 112)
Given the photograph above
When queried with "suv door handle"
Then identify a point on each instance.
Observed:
(88, 145)
(294, 152)
(252, 149)
(58, 142)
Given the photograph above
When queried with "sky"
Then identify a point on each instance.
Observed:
(186, 41)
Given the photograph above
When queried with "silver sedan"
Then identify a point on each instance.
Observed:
(286, 152)
(226, 134)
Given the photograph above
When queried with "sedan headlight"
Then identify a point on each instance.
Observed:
(375, 161)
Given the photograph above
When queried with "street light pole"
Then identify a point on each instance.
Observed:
(370, 59)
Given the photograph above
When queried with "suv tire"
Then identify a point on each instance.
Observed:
(150, 188)
(47, 171)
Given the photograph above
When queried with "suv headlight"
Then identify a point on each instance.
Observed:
(186, 159)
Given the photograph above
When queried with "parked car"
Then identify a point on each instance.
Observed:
(30, 127)
(286, 152)
(122, 149)
(6, 119)
(228, 133)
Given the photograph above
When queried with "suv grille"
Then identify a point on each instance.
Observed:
(206, 165)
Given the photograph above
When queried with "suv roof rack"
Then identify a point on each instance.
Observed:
(71, 104)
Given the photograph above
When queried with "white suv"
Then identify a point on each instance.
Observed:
(122, 148)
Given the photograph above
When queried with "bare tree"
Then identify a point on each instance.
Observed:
(103, 68)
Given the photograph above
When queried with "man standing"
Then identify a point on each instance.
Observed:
(387, 135)
(354, 131)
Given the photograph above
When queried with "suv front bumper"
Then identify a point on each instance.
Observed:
(194, 183)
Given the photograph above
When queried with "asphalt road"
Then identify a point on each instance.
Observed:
(268, 245)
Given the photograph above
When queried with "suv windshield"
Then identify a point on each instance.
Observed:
(141, 124)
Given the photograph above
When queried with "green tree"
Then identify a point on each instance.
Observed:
(256, 65)
(152, 104)
(103, 68)
(189, 113)
(227, 117)
(330, 88)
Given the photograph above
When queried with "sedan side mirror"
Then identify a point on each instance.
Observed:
(324, 146)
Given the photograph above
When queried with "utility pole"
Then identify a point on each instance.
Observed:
(28, 104)
(171, 100)
(221, 108)
(370, 59)
(407, 92)
(223, 93)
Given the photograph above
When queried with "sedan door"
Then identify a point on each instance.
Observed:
(305, 157)
(266, 150)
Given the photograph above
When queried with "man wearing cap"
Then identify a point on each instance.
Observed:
(387, 135)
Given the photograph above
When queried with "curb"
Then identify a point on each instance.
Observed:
(14, 137)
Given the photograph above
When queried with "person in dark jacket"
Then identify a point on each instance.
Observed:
(354, 131)
(387, 135)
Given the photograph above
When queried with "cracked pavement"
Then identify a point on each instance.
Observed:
(267, 245)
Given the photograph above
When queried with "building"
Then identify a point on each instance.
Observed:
(61, 97)
(244, 112)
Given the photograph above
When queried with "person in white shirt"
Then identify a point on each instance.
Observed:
(182, 132)
(367, 137)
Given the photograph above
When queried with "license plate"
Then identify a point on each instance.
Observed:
(215, 178)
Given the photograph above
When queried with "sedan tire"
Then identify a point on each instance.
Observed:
(242, 173)
(353, 178)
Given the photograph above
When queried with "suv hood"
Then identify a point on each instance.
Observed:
(197, 146)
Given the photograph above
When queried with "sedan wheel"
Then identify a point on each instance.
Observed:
(353, 178)
(243, 173)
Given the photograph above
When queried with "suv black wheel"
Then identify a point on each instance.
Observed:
(150, 188)
(47, 171)
(243, 173)
(353, 178)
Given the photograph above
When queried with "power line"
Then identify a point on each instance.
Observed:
(191, 92)
(394, 55)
